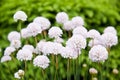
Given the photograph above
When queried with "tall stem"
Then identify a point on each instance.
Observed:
(68, 69)
(43, 73)
(45, 34)
(56, 66)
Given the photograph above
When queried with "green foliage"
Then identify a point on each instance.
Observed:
(97, 14)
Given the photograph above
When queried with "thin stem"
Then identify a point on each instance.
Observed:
(56, 67)
(35, 40)
(100, 68)
(45, 34)
(68, 69)
(25, 68)
(43, 73)
(69, 34)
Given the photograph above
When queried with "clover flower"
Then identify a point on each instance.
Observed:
(5, 58)
(68, 26)
(14, 35)
(55, 32)
(43, 22)
(41, 61)
(61, 17)
(30, 47)
(34, 29)
(80, 31)
(9, 50)
(94, 42)
(93, 71)
(24, 54)
(58, 40)
(25, 33)
(98, 53)
(20, 15)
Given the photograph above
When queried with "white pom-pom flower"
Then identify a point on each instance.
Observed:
(55, 32)
(41, 61)
(16, 75)
(34, 29)
(94, 34)
(109, 39)
(67, 52)
(80, 31)
(29, 47)
(110, 29)
(98, 53)
(58, 40)
(14, 35)
(51, 48)
(77, 21)
(20, 15)
(5, 58)
(15, 43)
(25, 33)
(93, 71)
(68, 26)
(94, 42)
(21, 73)
(9, 50)
(61, 17)
(24, 54)
(43, 22)
(76, 42)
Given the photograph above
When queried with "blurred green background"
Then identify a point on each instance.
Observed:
(97, 14)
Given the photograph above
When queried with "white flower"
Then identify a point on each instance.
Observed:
(61, 17)
(41, 61)
(30, 47)
(67, 52)
(21, 73)
(15, 43)
(43, 22)
(9, 50)
(76, 42)
(109, 39)
(115, 71)
(34, 29)
(98, 53)
(24, 54)
(5, 58)
(94, 42)
(110, 29)
(80, 31)
(58, 40)
(51, 48)
(93, 71)
(77, 21)
(14, 35)
(68, 26)
(20, 15)
(16, 75)
(55, 32)
(25, 33)
(94, 34)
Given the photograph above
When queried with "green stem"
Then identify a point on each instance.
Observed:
(56, 67)
(68, 69)
(43, 73)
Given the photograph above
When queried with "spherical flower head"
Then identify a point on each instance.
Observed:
(68, 26)
(9, 50)
(51, 48)
(21, 73)
(84, 65)
(41, 61)
(98, 53)
(24, 54)
(94, 42)
(34, 29)
(5, 58)
(14, 35)
(16, 75)
(80, 31)
(15, 43)
(20, 15)
(115, 71)
(61, 17)
(94, 34)
(43, 22)
(55, 32)
(77, 21)
(29, 47)
(25, 33)
(67, 52)
(93, 71)
(76, 42)
(109, 39)
(39, 47)
(58, 40)
(110, 29)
